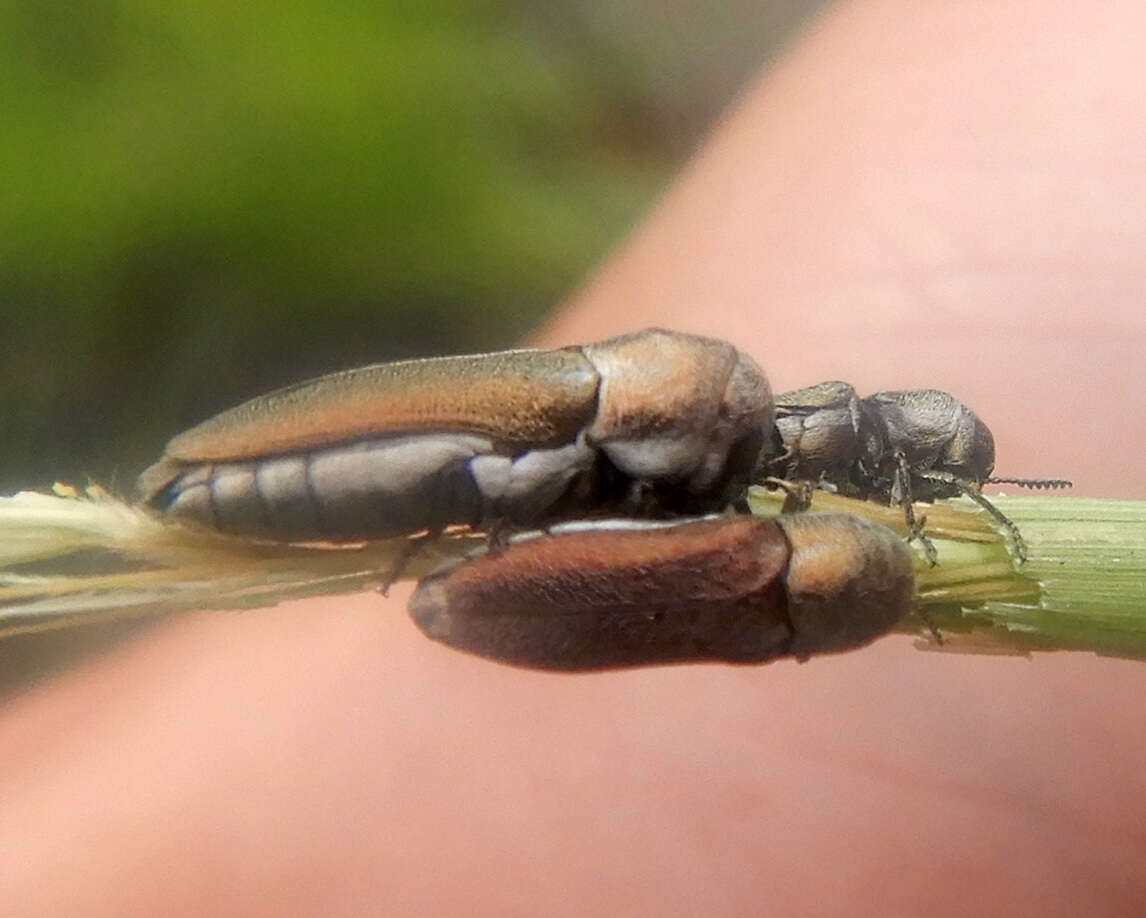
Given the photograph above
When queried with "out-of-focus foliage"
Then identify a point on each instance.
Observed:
(199, 201)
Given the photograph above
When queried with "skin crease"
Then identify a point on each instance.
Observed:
(943, 195)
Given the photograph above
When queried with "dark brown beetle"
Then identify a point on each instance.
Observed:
(608, 594)
(895, 447)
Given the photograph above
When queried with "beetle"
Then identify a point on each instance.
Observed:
(607, 594)
(650, 424)
(896, 447)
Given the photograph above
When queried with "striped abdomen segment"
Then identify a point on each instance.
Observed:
(370, 489)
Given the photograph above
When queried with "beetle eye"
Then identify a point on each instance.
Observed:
(984, 458)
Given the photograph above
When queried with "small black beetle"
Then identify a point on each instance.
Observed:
(895, 447)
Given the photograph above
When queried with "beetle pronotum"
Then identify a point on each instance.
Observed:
(646, 424)
(626, 593)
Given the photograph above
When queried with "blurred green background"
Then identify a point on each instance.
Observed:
(202, 201)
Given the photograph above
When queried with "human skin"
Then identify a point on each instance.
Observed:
(945, 195)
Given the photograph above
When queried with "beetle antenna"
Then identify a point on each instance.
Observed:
(1038, 484)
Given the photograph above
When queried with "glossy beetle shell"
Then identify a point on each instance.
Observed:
(626, 593)
(651, 422)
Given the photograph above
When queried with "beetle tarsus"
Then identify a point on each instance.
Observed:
(405, 555)
(916, 534)
(499, 534)
(797, 494)
(929, 622)
(971, 490)
(1003, 520)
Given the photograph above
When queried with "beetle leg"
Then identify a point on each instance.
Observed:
(640, 498)
(772, 463)
(798, 494)
(973, 492)
(405, 555)
(924, 616)
(901, 492)
(738, 507)
(498, 533)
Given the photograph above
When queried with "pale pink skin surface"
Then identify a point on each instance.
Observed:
(946, 195)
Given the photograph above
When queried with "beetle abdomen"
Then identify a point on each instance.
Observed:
(372, 489)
